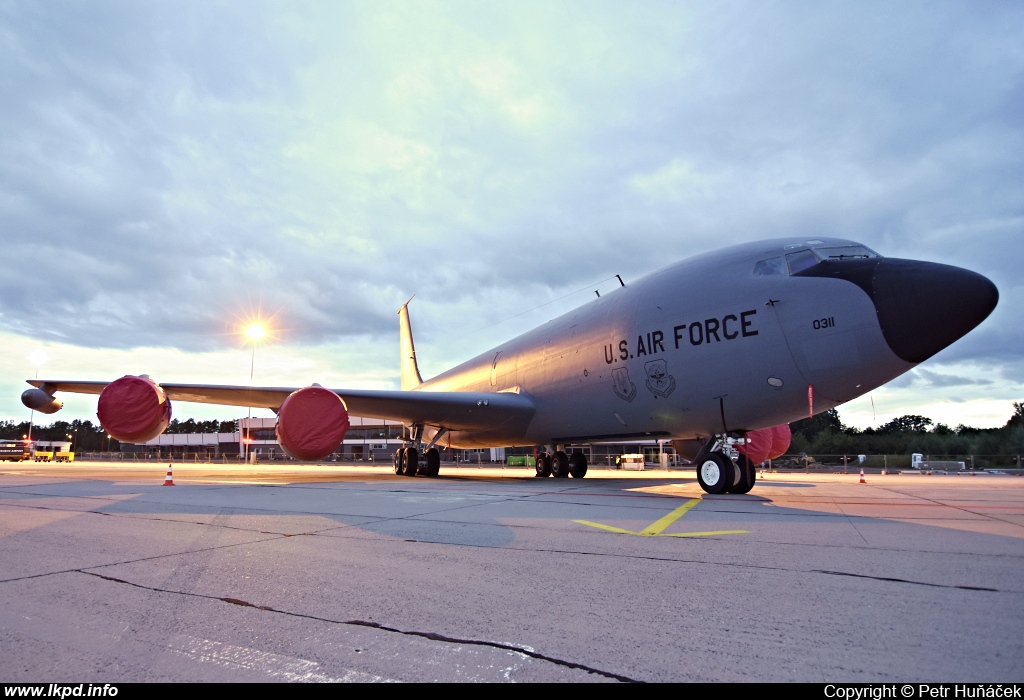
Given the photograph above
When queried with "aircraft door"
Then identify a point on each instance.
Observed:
(503, 371)
(494, 370)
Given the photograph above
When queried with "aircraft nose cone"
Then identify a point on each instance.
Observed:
(924, 307)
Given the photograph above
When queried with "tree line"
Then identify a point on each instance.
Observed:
(825, 434)
(89, 437)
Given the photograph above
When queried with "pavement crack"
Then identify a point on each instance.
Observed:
(82, 570)
(139, 515)
(903, 580)
(736, 565)
(433, 636)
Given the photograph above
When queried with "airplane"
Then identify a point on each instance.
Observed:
(732, 343)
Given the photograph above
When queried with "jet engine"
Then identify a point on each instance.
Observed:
(39, 400)
(767, 443)
(311, 423)
(782, 436)
(134, 409)
(758, 445)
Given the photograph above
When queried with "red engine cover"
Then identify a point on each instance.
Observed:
(782, 436)
(134, 409)
(759, 444)
(311, 423)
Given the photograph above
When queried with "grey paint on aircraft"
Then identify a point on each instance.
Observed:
(714, 329)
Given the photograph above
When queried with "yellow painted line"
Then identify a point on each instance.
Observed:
(658, 526)
(609, 528)
(706, 534)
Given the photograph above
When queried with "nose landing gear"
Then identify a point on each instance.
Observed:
(717, 473)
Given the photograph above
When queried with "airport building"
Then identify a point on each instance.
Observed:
(367, 439)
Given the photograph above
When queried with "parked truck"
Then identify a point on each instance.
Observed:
(14, 450)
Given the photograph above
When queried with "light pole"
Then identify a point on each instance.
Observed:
(37, 358)
(254, 333)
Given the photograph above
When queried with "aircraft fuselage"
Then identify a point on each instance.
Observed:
(732, 340)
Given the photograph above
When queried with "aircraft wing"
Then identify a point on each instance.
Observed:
(453, 410)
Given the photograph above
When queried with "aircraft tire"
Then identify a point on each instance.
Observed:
(412, 461)
(543, 464)
(398, 458)
(715, 473)
(432, 462)
(560, 465)
(746, 474)
(577, 465)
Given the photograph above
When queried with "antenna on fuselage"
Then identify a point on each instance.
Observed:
(620, 280)
(410, 370)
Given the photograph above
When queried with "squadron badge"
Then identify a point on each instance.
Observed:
(659, 381)
(624, 389)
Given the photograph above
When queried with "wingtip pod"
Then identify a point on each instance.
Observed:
(311, 423)
(134, 409)
(39, 400)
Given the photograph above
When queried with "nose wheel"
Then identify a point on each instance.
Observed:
(746, 475)
(715, 472)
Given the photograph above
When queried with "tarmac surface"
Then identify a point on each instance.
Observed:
(349, 573)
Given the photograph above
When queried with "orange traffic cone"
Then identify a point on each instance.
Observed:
(862, 476)
(169, 480)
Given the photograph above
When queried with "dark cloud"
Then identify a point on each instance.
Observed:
(166, 167)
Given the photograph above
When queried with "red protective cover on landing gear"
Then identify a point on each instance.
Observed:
(133, 409)
(782, 436)
(311, 423)
(759, 444)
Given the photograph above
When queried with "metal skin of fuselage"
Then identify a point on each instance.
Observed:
(706, 347)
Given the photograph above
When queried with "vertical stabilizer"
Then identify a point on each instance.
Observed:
(410, 371)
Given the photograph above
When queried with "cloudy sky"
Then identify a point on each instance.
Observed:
(169, 169)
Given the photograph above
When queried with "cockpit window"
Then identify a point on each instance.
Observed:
(771, 266)
(801, 261)
(792, 263)
(846, 252)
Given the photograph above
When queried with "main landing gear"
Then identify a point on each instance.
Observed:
(717, 473)
(561, 465)
(408, 462)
